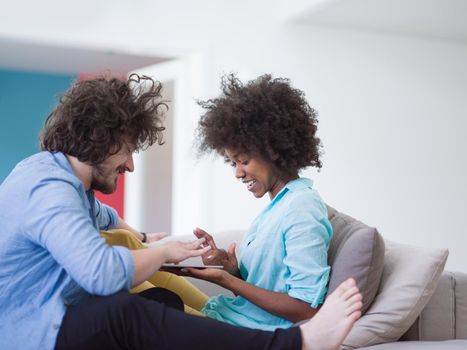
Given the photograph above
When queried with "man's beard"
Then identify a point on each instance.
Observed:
(104, 180)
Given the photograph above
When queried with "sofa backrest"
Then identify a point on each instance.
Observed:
(445, 315)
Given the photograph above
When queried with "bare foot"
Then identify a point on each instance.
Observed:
(329, 327)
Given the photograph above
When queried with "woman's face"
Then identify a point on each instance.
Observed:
(257, 175)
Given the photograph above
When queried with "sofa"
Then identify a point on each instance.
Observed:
(442, 324)
(409, 301)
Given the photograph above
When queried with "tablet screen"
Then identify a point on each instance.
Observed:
(196, 262)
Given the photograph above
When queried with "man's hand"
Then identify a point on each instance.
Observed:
(176, 251)
(156, 236)
(217, 256)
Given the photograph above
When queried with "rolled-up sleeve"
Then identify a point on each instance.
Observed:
(61, 223)
(307, 234)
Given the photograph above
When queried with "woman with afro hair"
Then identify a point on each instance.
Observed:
(266, 130)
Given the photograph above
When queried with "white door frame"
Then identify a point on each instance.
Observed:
(157, 198)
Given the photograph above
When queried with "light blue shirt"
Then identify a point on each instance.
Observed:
(51, 253)
(284, 250)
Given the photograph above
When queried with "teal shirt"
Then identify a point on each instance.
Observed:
(285, 250)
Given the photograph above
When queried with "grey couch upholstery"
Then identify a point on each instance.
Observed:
(442, 323)
(445, 315)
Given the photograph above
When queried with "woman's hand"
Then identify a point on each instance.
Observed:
(217, 276)
(217, 256)
(176, 251)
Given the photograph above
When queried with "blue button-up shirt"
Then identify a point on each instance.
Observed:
(51, 253)
(285, 251)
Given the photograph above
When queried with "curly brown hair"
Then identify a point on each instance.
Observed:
(95, 117)
(266, 117)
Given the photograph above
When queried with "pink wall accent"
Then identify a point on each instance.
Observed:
(116, 199)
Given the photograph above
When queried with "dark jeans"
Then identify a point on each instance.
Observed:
(128, 321)
(163, 296)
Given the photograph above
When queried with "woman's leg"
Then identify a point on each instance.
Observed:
(142, 287)
(192, 297)
(123, 238)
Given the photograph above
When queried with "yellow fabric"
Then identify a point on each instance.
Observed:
(192, 297)
(142, 287)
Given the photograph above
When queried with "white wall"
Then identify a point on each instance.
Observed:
(148, 190)
(392, 121)
(392, 108)
(165, 190)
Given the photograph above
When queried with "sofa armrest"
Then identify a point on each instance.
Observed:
(445, 315)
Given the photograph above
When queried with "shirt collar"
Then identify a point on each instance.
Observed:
(293, 185)
(62, 160)
(300, 183)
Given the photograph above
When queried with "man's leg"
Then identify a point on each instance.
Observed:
(329, 327)
(126, 321)
(163, 296)
(189, 310)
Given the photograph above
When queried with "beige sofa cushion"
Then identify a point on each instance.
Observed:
(410, 277)
(357, 251)
(421, 345)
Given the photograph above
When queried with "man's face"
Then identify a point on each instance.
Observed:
(105, 175)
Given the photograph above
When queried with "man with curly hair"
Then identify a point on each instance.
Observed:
(63, 287)
(266, 130)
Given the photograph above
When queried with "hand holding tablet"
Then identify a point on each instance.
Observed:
(195, 262)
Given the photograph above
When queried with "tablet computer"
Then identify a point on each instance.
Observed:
(195, 262)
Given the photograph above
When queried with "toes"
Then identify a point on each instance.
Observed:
(344, 287)
(349, 293)
(354, 307)
(350, 282)
(354, 298)
(355, 316)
